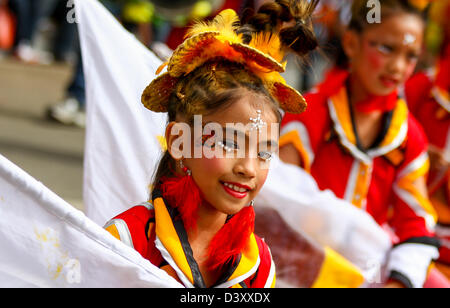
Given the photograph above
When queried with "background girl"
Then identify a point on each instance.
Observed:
(358, 139)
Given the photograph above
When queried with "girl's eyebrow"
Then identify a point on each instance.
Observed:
(232, 131)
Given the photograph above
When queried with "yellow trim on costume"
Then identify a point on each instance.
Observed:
(337, 272)
(249, 258)
(341, 106)
(293, 138)
(341, 116)
(113, 230)
(423, 201)
(168, 236)
(362, 185)
(442, 97)
(395, 156)
(399, 117)
(406, 183)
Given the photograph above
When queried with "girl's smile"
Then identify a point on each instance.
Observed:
(236, 190)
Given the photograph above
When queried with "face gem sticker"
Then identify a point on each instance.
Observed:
(257, 123)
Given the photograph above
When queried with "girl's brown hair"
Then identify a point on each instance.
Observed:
(360, 12)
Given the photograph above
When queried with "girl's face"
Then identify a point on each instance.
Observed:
(385, 55)
(230, 181)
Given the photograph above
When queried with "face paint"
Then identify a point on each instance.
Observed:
(409, 39)
(375, 57)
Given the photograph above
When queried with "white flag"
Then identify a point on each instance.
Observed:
(45, 242)
(121, 149)
(123, 139)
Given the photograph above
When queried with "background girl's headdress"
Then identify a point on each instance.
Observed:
(219, 39)
(420, 4)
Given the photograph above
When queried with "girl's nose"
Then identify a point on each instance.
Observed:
(246, 167)
(398, 65)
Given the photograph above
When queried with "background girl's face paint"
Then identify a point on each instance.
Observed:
(383, 61)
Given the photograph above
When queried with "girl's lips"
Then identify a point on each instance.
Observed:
(389, 82)
(234, 193)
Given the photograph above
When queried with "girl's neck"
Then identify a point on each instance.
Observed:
(357, 91)
(209, 222)
(367, 125)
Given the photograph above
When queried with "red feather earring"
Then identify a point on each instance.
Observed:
(182, 193)
(231, 239)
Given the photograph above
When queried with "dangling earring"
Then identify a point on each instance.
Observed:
(252, 203)
(185, 169)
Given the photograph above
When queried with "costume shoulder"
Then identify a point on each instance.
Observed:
(417, 90)
(130, 227)
(306, 130)
(265, 275)
(316, 107)
(416, 142)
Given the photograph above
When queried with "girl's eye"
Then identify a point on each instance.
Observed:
(228, 145)
(413, 57)
(267, 156)
(385, 49)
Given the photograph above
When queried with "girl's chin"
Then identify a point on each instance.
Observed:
(381, 90)
(230, 208)
(227, 207)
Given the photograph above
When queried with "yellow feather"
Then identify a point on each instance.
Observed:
(268, 43)
(226, 22)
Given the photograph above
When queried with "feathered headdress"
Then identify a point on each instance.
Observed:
(420, 4)
(218, 39)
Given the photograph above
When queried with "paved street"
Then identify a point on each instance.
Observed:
(50, 152)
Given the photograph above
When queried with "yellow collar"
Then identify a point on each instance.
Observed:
(171, 241)
(338, 106)
(442, 97)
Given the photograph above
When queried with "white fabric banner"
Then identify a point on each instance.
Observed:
(122, 149)
(122, 143)
(45, 242)
(330, 221)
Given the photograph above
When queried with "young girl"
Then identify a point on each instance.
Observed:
(358, 139)
(427, 94)
(198, 225)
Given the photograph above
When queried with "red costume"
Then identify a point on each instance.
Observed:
(378, 180)
(154, 230)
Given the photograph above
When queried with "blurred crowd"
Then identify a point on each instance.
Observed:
(45, 31)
